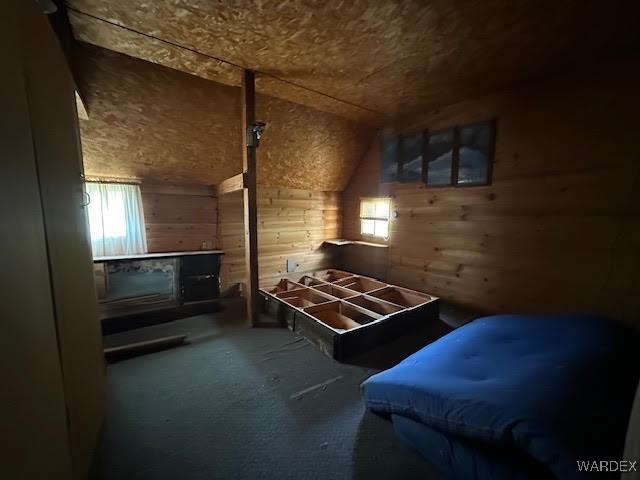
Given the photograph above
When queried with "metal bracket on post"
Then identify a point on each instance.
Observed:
(254, 134)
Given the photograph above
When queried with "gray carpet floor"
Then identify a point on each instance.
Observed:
(239, 403)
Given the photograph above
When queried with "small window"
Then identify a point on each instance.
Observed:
(374, 217)
(116, 219)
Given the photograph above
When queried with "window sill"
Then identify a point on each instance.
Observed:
(339, 242)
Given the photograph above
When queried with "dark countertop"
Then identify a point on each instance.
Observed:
(145, 256)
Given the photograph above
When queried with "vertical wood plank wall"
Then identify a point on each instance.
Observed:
(179, 218)
(231, 240)
(291, 224)
(559, 228)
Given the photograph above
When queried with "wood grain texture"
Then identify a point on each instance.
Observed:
(96, 32)
(231, 185)
(179, 189)
(291, 224)
(114, 37)
(179, 219)
(305, 149)
(274, 87)
(559, 228)
(392, 57)
(160, 125)
(154, 123)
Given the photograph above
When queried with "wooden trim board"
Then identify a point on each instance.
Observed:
(233, 184)
(339, 242)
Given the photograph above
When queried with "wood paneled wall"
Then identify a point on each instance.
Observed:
(291, 224)
(559, 228)
(179, 217)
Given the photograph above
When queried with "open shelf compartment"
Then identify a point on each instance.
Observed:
(341, 315)
(376, 305)
(303, 297)
(344, 313)
(283, 285)
(401, 296)
(331, 275)
(309, 281)
(335, 291)
(360, 284)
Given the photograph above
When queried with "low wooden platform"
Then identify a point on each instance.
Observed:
(345, 314)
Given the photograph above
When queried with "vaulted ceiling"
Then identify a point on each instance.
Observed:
(365, 60)
(158, 124)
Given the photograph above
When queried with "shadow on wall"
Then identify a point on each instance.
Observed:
(363, 260)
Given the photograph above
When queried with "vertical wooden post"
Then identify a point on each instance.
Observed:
(250, 196)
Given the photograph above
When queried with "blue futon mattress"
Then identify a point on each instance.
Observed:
(554, 389)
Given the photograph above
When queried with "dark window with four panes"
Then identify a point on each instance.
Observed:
(456, 156)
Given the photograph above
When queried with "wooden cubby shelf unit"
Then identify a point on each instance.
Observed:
(344, 313)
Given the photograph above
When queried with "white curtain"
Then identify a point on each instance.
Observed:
(116, 219)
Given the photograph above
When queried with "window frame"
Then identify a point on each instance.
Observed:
(455, 158)
(387, 219)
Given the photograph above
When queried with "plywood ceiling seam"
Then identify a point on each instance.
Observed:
(119, 25)
(157, 123)
(240, 68)
(397, 57)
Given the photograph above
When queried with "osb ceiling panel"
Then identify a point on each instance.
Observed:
(155, 123)
(158, 124)
(389, 57)
(130, 43)
(114, 37)
(306, 149)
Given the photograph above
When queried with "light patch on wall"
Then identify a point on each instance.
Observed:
(82, 111)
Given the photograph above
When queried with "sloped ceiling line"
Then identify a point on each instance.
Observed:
(161, 125)
(183, 47)
(397, 57)
(266, 82)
